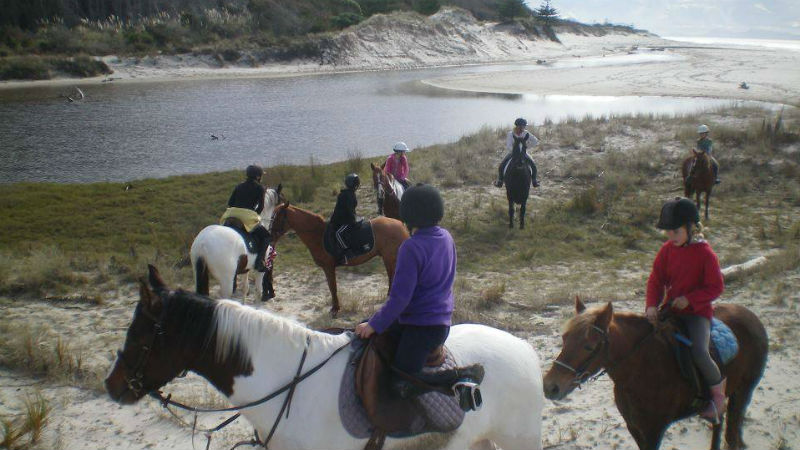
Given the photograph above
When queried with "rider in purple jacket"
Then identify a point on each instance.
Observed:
(419, 309)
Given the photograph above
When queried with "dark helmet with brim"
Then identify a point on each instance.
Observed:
(520, 122)
(677, 213)
(254, 172)
(421, 206)
(351, 181)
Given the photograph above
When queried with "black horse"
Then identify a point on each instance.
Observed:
(518, 187)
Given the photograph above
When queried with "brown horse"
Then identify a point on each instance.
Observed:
(387, 191)
(310, 227)
(698, 177)
(648, 388)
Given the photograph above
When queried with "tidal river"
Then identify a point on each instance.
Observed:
(124, 131)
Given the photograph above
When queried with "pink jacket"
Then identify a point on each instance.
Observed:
(398, 167)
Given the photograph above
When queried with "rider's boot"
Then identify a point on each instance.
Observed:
(716, 406)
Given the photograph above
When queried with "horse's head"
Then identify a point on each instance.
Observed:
(280, 222)
(378, 175)
(150, 357)
(272, 198)
(702, 162)
(584, 350)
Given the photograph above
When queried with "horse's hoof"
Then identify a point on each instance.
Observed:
(267, 297)
(334, 312)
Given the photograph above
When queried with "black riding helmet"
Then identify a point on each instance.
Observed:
(677, 213)
(351, 181)
(254, 172)
(520, 122)
(421, 206)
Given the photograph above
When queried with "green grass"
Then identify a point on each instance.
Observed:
(61, 237)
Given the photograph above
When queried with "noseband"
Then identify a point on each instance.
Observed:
(581, 374)
(135, 383)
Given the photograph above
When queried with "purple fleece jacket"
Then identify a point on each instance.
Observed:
(422, 289)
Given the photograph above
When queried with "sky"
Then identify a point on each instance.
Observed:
(769, 19)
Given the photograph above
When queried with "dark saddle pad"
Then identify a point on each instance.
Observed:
(359, 239)
(723, 348)
(367, 405)
(249, 241)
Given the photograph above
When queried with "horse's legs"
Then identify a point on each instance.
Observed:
(522, 215)
(510, 214)
(389, 263)
(708, 194)
(737, 404)
(330, 275)
(245, 278)
(716, 432)
(226, 283)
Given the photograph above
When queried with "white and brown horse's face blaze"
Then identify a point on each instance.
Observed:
(582, 354)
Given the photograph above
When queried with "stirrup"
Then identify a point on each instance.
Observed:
(468, 394)
(717, 419)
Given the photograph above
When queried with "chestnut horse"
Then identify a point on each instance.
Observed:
(649, 390)
(250, 355)
(388, 192)
(698, 177)
(310, 227)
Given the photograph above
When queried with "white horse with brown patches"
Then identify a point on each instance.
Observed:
(248, 354)
(220, 252)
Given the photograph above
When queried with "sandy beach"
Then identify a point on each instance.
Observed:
(611, 65)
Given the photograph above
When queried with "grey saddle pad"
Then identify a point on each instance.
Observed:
(440, 413)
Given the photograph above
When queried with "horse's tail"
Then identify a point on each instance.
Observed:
(201, 276)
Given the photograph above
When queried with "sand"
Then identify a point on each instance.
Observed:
(87, 418)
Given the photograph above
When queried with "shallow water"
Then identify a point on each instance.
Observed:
(155, 129)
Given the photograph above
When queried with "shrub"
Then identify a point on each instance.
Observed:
(24, 68)
(81, 66)
(346, 19)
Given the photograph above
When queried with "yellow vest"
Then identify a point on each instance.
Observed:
(250, 219)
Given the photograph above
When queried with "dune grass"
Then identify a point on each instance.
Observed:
(62, 237)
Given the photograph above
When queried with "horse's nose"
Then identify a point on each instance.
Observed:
(551, 391)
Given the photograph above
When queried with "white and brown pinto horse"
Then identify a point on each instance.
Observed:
(221, 252)
(248, 354)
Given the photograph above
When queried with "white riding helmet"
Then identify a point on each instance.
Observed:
(400, 147)
(702, 129)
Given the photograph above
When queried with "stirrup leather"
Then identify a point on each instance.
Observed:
(468, 394)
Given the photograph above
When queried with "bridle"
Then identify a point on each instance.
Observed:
(134, 373)
(582, 375)
(580, 372)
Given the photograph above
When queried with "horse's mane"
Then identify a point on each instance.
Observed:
(238, 326)
(588, 317)
(306, 212)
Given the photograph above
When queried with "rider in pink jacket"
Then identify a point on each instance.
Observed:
(397, 163)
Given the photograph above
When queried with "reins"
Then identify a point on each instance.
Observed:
(290, 387)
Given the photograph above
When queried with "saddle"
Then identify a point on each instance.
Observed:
(388, 414)
(723, 348)
(359, 238)
(236, 224)
(517, 162)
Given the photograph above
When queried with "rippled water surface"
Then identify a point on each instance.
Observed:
(155, 129)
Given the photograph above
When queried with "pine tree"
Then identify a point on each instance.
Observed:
(546, 11)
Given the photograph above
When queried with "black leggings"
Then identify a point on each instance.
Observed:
(415, 342)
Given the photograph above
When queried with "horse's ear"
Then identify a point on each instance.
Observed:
(374, 167)
(285, 204)
(604, 317)
(279, 188)
(149, 299)
(156, 282)
(579, 306)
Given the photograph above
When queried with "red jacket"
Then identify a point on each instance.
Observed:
(690, 270)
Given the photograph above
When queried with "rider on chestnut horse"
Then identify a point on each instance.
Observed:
(245, 204)
(704, 145)
(687, 270)
(344, 217)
